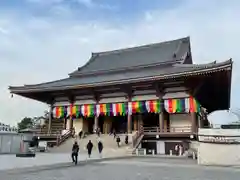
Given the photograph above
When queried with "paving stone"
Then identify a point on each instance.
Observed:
(132, 169)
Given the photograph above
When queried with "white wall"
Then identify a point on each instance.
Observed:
(219, 154)
(144, 97)
(171, 95)
(180, 122)
(78, 125)
(113, 100)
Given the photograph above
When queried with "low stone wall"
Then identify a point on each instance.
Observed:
(219, 147)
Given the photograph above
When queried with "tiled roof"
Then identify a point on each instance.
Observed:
(134, 75)
(152, 54)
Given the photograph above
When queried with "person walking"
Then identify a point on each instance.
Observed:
(75, 150)
(80, 134)
(89, 148)
(114, 134)
(73, 132)
(126, 139)
(118, 140)
(100, 148)
(98, 132)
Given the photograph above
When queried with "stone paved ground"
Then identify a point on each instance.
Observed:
(132, 169)
(41, 159)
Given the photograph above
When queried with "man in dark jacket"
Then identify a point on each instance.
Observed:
(126, 139)
(89, 148)
(100, 148)
(118, 140)
(75, 150)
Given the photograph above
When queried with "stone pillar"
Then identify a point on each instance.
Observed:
(129, 123)
(194, 122)
(95, 123)
(50, 119)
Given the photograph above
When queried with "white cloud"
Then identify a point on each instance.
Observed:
(88, 3)
(42, 49)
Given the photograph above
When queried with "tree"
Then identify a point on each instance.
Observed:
(25, 123)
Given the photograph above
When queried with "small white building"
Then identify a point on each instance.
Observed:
(7, 128)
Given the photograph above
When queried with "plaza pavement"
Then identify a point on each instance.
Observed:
(132, 169)
(42, 159)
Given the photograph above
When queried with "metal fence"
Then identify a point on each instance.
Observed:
(10, 142)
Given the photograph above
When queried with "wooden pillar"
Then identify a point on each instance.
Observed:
(135, 123)
(129, 123)
(50, 119)
(140, 121)
(161, 116)
(194, 122)
(95, 123)
(71, 123)
(201, 123)
(65, 123)
(161, 121)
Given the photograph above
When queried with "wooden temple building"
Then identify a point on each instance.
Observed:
(154, 86)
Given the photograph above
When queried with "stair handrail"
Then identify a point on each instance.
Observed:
(62, 137)
(136, 136)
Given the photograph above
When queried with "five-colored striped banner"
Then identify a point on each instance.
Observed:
(113, 109)
(181, 105)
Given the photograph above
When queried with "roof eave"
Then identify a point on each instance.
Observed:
(24, 89)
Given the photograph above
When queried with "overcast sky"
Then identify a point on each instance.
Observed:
(44, 40)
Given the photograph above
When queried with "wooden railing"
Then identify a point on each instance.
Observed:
(136, 138)
(176, 129)
(61, 138)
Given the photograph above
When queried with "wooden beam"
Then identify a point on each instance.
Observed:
(128, 90)
(196, 90)
(159, 89)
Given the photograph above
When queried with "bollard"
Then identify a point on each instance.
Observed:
(144, 151)
(194, 155)
(137, 152)
(153, 152)
(170, 152)
(180, 152)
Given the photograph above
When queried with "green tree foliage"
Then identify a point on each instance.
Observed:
(26, 122)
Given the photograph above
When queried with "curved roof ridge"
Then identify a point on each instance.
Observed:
(139, 47)
(213, 63)
(79, 73)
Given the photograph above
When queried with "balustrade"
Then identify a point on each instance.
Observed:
(175, 129)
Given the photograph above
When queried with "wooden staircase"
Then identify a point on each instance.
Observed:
(136, 140)
(55, 136)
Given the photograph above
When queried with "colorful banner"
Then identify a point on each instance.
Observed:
(60, 111)
(136, 107)
(153, 106)
(113, 109)
(181, 105)
(194, 105)
(120, 109)
(88, 110)
(74, 111)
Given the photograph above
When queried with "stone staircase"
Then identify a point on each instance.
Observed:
(109, 144)
(55, 132)
(56, 127)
